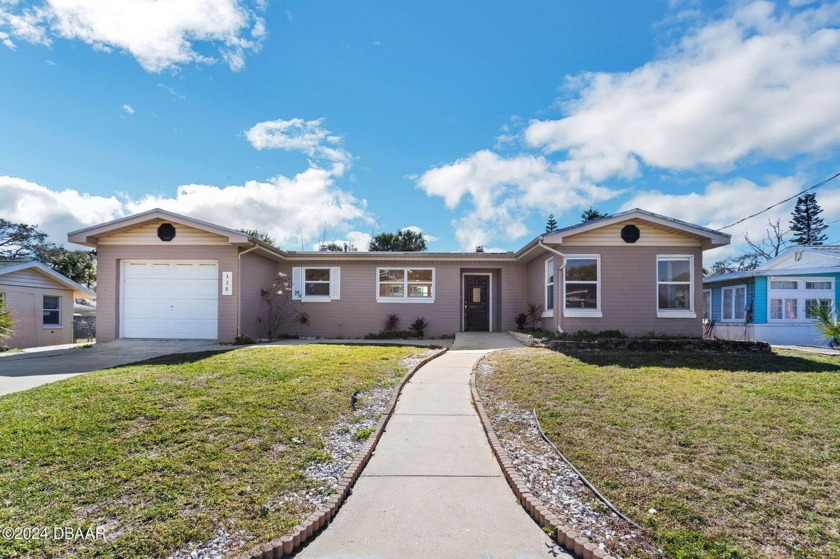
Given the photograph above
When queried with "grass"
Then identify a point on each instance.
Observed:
(166, 452)
(738, 454)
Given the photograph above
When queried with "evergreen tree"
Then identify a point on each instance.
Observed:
(591, 214)
(551, 224)
(806, 224)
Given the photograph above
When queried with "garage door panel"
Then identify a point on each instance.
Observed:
(186, 329)
(170, 299)
(170, 309)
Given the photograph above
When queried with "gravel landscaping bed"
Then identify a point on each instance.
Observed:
(343, 444)
(554, 483)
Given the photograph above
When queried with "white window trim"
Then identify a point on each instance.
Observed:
(405, 298)
(675, 313)
(299, 291)
(711, 305)
(549, 272)
(801, 295)
(722, 299)
(60, 314)
(582, 313)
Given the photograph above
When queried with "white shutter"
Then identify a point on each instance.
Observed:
(335, 283)
(297, 283)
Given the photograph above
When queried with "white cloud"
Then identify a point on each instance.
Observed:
(284, 207)
(723, 203)
(297, 134)
(757, 84)
(129, 109)
(502, 192)
(159, 34)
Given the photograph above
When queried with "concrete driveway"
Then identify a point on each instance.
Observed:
(22, 371)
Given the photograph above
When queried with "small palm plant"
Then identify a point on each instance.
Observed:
(827, 322)
(7, 322)
(418, 327)
(534, 314)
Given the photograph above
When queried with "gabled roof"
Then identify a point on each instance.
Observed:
(79, 291)
(821, 254)
(709, 238)
(794, 261)
(89, 235)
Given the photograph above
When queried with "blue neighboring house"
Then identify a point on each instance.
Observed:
(773, 303)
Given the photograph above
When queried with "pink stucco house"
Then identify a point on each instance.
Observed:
(164, 275)
(41, 300)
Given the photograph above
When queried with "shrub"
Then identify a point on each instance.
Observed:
(243, 340)
(392, 335)
(392, 322)
(589, 336)
(534, 314)
(7, 322)
(521, 321)
(418, 327)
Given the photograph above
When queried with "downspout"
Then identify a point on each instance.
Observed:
(239, 286)
(561, 268)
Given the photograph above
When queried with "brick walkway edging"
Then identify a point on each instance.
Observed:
(286, 545)
(566, 536)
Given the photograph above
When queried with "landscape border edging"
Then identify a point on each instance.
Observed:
(565, 536)
(300, 534)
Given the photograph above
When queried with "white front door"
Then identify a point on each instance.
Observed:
(170, 299)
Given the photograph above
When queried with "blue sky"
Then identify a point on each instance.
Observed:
(471, 122)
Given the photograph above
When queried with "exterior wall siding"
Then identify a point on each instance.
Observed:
(256, 273)
(357, 311)
(147, 235)
(629, 292)
(650, 236)
(109, 258)
(27, 305)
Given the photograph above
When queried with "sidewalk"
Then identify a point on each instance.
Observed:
(433, 487)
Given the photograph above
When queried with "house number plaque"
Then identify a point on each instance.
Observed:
(227, 283)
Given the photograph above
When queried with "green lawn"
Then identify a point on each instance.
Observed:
(165, 453)
(739, 454)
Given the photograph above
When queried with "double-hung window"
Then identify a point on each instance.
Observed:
(316, 284)
(549, 287)
(582, 286)
(796, 299)
(675, 287)
(52, 310)
(405, 285)
(734, 303)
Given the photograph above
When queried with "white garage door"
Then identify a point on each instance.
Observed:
(176, 299)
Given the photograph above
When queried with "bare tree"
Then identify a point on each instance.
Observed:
(768, 248)
(771, 245)
(283, 309)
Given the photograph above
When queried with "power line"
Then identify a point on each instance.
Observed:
(768, 208)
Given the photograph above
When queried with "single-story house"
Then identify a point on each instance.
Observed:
(164, 275)
(41, 301)
(773, 302)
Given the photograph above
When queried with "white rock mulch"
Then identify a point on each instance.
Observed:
(550, 479)
(215, 548)
(342, 443)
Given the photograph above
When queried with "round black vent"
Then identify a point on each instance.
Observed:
(166, 232)
(630, 233)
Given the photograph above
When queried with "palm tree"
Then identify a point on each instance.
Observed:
(827, 324)
(7, 322)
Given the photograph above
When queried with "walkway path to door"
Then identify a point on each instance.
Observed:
(433, 487)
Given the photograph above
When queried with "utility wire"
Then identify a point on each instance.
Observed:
(768, 208)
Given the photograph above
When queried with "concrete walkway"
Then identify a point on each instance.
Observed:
(433, 487)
